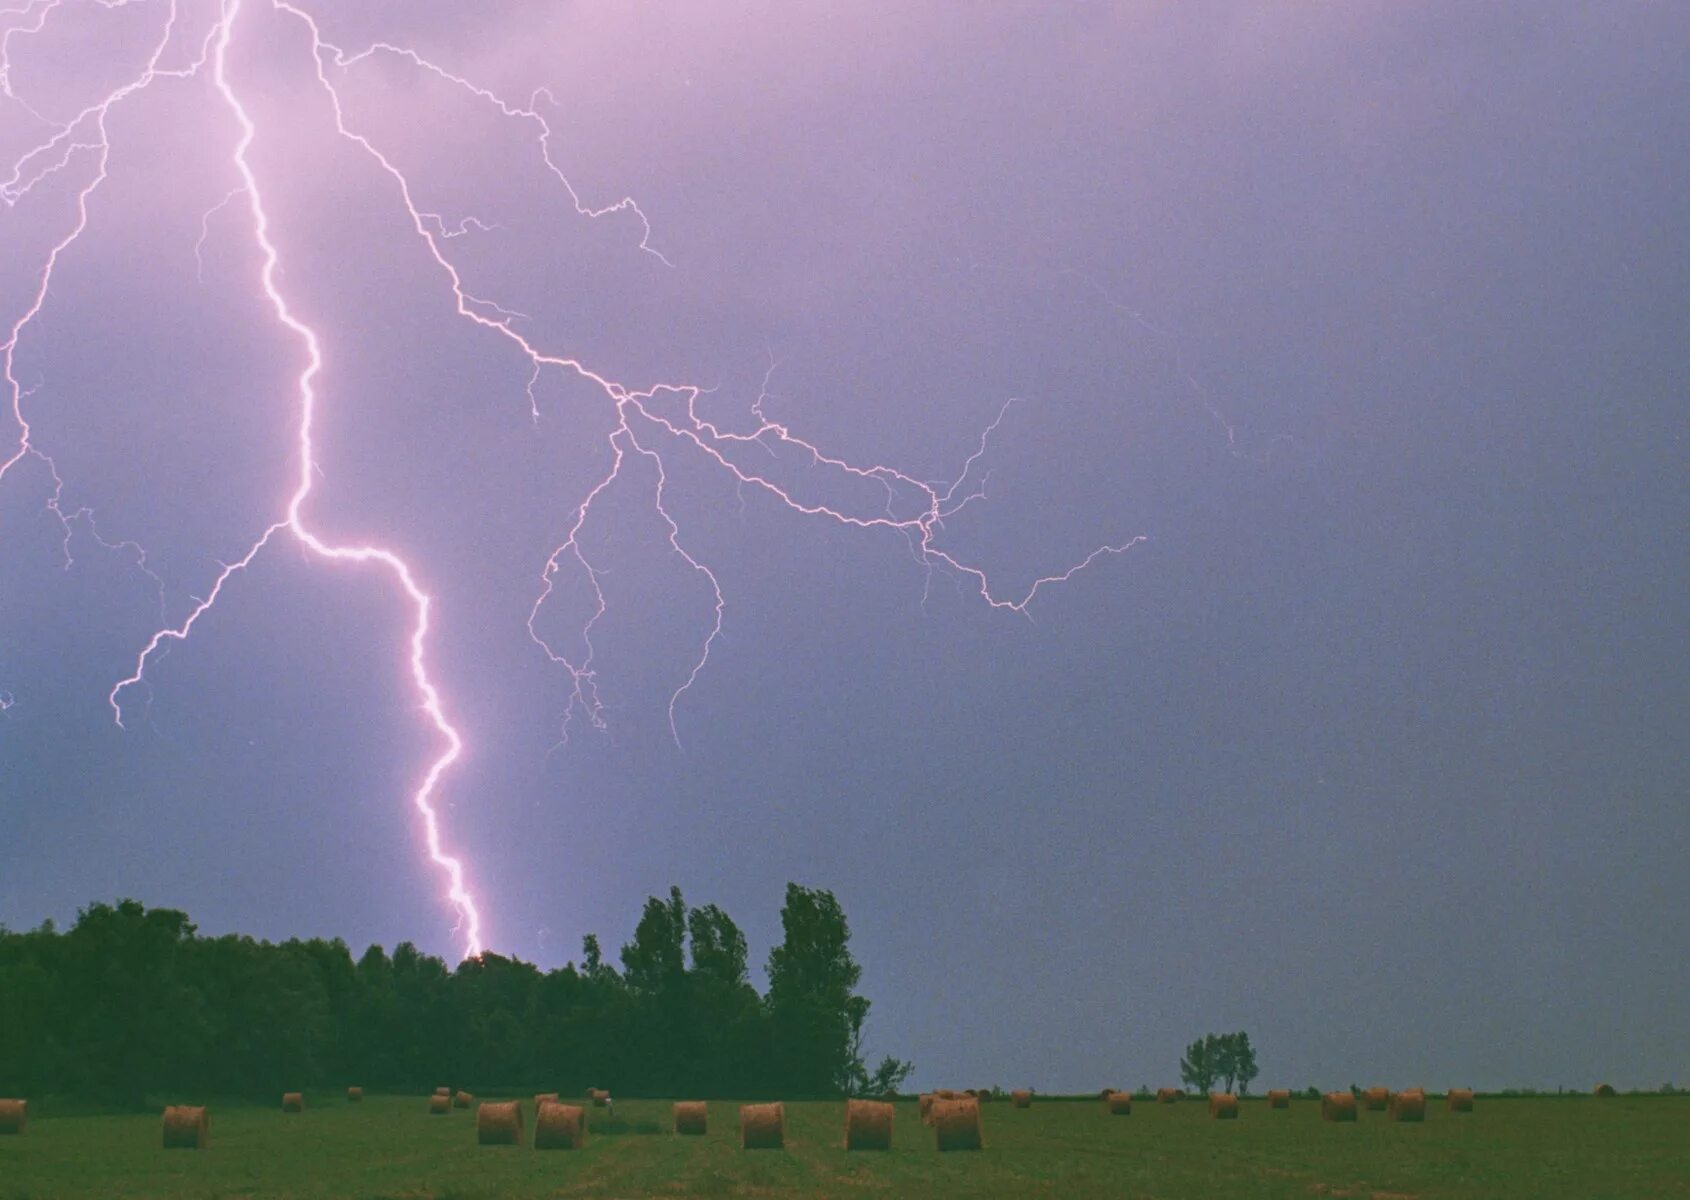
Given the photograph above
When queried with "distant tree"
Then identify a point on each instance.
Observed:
(1244, 1062)
(1199, 1068)
(1234, 1060)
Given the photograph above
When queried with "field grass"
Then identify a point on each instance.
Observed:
(389, 1148)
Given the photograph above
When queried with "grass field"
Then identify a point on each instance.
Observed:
(388, 1147)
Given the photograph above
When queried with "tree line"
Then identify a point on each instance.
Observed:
(131, 1003)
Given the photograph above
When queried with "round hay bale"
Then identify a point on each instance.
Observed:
(947, 1094)
(542, 1097)
(462, 1100)
(186, 1127)
(1022, 1098)
(600, 1096)
(1375, 1099)
(925, 1103)
(762, 1126)
(691, 1117)
(1338, 1106)
(354, 1094)
(1409, 1105)
(440, 1105)
(868, 1125)
(559, 1126)
(1223, 1106)
(442, 1091)
(498, 1124)
(13, 1114)
(956, 1125)
(1120, 1104)
(1606, 1089)
(1279, 1098)
(1459, 1099)
(1167, 1095)
(293, 1102)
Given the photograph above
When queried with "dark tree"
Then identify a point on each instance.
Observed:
(816, 1017)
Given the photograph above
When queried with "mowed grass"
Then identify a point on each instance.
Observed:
(390, 1148)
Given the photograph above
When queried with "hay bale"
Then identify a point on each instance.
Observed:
(762, 1126)
(442, 1091)
(1022, 1098)
(1279, 1098)
(1459, 1099)
(1409, 1105)
(599, 1096)
(1338, 1106)
(559, 1126)
(1120, 1104)
(691, 1117)
(498, 1124)
(462, 1100)
(354, 1094)
(1223, 1106)
(925, 1103)
(956, 1124)
(868, 1125)
(1375, 1099)
(439, 1105)
(542, 1097)
(186, 1127)
(13, 1114)
(1605, 1089)
(293, 1102)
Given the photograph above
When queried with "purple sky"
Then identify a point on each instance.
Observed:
(1370, 318)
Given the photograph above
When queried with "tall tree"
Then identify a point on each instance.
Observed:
(729, 1027)
(654, 968)
(814, 1013)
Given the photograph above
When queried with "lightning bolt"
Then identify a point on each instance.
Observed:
(653, 422)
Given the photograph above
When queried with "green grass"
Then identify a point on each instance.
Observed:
(389, 1148)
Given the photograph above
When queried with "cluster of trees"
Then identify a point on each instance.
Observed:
(1219, 1056)
(131, 1003)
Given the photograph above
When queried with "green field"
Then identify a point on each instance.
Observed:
(389, 1147)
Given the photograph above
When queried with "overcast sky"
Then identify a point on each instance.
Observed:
(1370, 318)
